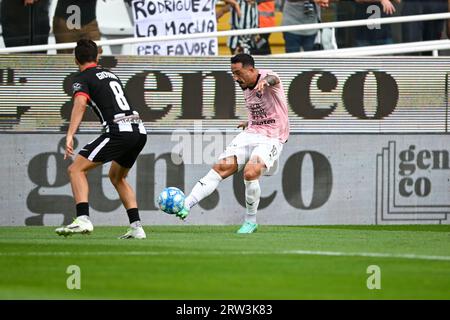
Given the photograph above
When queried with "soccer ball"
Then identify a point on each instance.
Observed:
(171, 200)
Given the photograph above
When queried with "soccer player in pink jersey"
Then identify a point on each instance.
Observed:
(258, 147)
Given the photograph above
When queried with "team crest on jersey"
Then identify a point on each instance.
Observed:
(76, 87)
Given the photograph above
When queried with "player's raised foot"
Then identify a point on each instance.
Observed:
(183, 213)
(248, 227)
(134, 233)
(79, 225)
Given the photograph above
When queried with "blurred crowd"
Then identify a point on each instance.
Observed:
(296, 12)
(27, 22)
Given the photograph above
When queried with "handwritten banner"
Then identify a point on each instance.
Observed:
(154, 18)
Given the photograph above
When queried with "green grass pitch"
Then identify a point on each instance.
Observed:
(212, 262)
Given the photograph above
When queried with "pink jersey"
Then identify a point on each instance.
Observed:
(268, 113)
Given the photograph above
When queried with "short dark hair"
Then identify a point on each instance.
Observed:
(86, 51)
(245, 59)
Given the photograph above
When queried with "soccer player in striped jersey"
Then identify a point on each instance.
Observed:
(123, 139)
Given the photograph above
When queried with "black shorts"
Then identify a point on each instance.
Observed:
(122, 147)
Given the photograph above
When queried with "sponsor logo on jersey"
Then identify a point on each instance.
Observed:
(76, 87)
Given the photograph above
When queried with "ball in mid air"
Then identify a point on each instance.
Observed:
(171, 200)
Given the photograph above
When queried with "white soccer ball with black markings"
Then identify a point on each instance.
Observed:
(171, 200)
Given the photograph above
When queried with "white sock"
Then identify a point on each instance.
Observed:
(252, 196)
(136, 224)
(203, 188)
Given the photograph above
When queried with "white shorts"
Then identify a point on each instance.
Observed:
(247, 145)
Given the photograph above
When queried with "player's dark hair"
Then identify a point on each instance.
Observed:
(86, 51)
(245, 59)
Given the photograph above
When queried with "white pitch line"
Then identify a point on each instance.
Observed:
(286, 252)
(369, 254)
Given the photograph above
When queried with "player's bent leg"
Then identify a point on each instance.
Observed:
(206, 185)
(254, 168)
(117, 176)
(252, 172)
(226, 167)
(77, 173)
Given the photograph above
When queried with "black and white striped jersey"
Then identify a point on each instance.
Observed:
(105, 95)
(248, 20)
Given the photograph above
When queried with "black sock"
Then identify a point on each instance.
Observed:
(133, 215)
(82, 209)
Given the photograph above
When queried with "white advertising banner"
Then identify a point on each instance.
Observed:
(321, 179)
(153, 18)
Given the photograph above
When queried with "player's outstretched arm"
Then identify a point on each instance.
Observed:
(268, 81)
(79, 107)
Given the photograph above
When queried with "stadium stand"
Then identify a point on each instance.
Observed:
(115, 22)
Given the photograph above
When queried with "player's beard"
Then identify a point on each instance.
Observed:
(241, 84)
